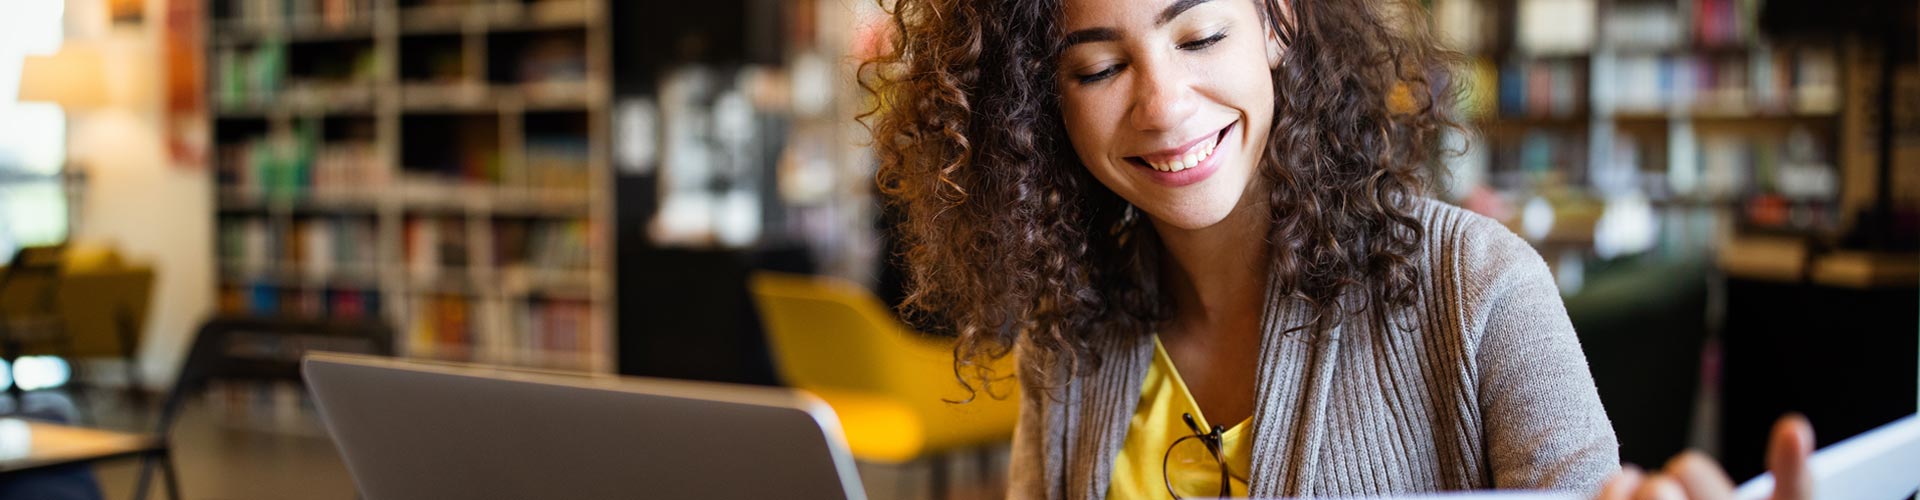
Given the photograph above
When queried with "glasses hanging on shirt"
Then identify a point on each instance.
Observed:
(1215, 449)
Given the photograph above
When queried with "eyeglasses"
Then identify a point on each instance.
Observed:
(1211, 438)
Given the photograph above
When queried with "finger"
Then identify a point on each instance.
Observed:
(1700, 476)
(1621, 484)
(1660, 487)
(1787, 453)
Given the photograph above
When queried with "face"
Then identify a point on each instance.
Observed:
(1168, 102)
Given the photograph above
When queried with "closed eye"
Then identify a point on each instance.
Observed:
(1101, 75)
(1204, 42)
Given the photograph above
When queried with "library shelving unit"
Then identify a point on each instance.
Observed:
(440, 164)
(1761, 136)
(1686, 103)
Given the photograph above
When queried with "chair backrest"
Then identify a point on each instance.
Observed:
(266, 349)
(826, 332)
(31, 283)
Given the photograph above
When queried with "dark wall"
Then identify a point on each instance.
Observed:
(1844, 357)
(685, 313)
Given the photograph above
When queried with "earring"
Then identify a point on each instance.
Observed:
(1122, 228)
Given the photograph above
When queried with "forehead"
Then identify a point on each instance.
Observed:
(1077, 14)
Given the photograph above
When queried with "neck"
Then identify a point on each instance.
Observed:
(1217, 275)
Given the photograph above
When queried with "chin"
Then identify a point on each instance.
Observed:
(1203, 210)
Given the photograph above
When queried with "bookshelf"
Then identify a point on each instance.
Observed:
(1682, 103)
(440, 164)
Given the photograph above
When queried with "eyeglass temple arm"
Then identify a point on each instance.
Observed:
(1212, 440)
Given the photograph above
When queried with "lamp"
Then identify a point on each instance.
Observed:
(73, 79)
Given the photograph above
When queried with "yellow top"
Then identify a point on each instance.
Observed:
(1157, 424)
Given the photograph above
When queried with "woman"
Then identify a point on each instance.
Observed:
(1199, 225)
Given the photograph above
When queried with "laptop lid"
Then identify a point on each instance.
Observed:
(413, 429)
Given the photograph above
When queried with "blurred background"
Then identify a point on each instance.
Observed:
(1727, 191)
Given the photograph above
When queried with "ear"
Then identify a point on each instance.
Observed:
(1275, 50)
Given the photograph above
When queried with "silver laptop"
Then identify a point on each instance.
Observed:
(410, 429)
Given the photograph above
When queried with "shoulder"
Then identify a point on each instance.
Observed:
(1472, 248)
(1477, 264)
(1456, 233)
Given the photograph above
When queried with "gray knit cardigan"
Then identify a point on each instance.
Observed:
(1480, 384)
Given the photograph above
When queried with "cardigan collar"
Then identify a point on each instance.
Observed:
(1296, 369)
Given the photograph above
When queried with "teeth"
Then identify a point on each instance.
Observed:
(1187, 161)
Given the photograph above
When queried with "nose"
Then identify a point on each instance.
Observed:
(1162, 97)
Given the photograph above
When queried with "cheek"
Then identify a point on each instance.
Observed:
(1257, 100)
(1083, 120)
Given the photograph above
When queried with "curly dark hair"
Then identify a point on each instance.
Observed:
(1010, 239)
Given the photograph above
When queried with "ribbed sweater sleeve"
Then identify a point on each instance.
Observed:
(1544, 425)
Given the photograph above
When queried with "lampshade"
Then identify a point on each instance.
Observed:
(73, 78)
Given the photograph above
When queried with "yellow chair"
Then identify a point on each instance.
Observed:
(99, 303)
(888, 385)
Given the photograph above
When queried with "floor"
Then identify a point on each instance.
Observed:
(229, 450)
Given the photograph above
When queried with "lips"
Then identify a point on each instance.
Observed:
(1187, 165)
(1184, 157)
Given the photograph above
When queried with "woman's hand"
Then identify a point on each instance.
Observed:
(1693, 476)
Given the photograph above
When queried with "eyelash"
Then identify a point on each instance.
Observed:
(1196, 45)
(1203, 43)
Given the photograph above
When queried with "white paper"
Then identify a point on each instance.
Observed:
(1881, 464)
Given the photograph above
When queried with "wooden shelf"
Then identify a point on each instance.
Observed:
(296, 30)
(483, 98)
(289, 275)
(362, 200)
(430, 86)
(1782, 259)
(499, 16)
(445, 196)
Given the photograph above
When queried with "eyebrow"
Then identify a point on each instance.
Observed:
(1090, 35)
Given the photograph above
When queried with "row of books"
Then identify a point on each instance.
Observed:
(1659, 26)
(1554, 87)
(1648, 27)
(259, 75)
(543, 244)
(1795, 170)
(443, 325)
(1548, 27)
(437, 245)
(1803, 80)
(557, 162)
(1772, 213)
(247, 76)
(319, 249)
(1536, 154)
(1560, 27)
(1725, 22)
(434, 244)
(451, 326)
(551, 325)
(274, 299)
(551, 163)
(278, 167)
(1798, 168)
(266, 15)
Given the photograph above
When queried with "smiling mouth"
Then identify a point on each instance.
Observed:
(1193, 156)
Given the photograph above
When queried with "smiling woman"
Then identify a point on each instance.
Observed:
(1004, 131)
(1199, 224)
